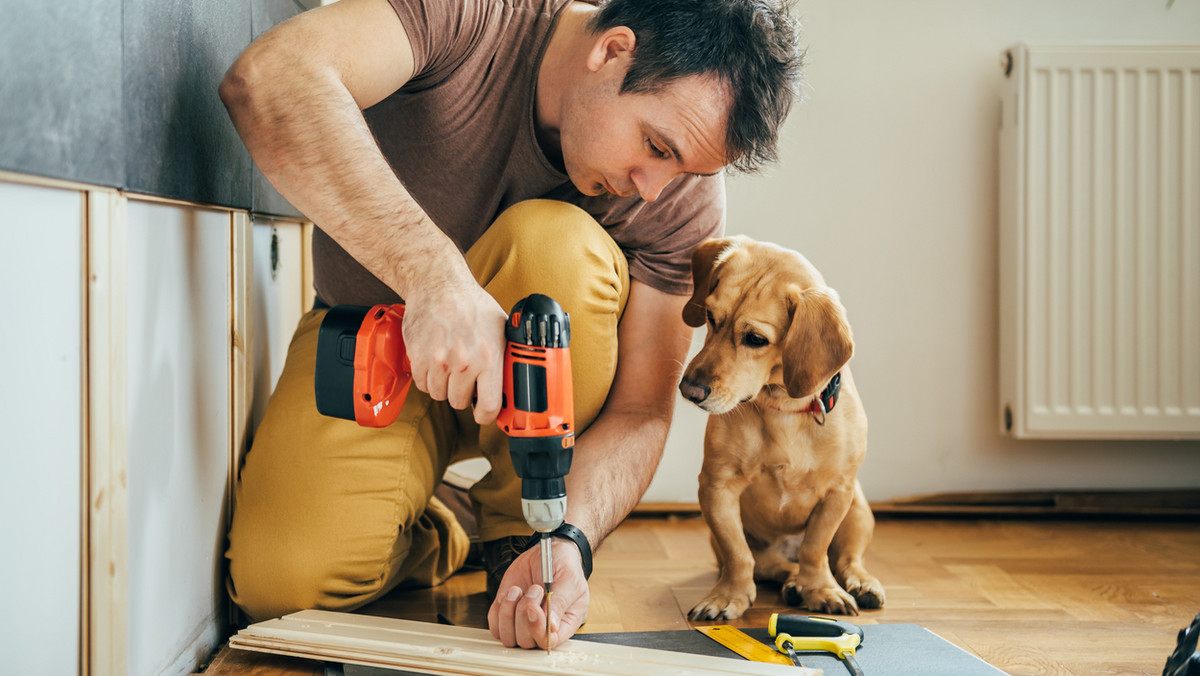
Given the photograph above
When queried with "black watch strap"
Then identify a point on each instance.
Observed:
(575, 535)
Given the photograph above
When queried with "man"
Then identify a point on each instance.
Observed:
(418, 137)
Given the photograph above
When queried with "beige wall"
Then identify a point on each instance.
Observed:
(887, 183)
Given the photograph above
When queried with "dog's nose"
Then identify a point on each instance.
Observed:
(694, 392)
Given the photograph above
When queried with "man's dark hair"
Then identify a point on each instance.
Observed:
(750, 45)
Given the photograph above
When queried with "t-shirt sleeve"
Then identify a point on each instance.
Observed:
(441, 32)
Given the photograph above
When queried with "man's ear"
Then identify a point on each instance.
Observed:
(818, 342)
(615, 43)
(704, 263)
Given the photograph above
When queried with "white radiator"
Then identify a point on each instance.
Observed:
(1100, 243)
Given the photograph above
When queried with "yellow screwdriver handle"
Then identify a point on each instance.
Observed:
(841, 646)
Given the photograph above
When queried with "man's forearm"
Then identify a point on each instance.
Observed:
(614, 462)
(305, 130)
(616, 457)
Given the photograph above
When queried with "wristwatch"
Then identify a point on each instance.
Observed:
(575, 535)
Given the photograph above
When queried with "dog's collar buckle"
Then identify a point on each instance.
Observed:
(825, 401)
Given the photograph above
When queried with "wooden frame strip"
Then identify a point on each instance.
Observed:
(108, 497)
(462, 651)
(85, 480)
(309, 291)
(240, 364)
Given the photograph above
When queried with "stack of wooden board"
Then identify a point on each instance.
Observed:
(461, 651)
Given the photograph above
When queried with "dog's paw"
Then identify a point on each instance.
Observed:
(723, 604)
(829, 600)
(867, 592)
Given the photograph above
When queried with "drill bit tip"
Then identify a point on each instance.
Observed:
(547, 602)
(547, 582)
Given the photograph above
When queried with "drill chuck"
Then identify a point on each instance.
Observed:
(544, 516)
(542, 463)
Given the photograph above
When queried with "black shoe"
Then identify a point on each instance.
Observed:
(498, 555)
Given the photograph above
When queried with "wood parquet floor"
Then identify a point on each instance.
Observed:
(1072, 598)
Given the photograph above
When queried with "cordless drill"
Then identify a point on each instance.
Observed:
(363, 374)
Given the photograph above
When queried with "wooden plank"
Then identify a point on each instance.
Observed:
(241, 361)
(241, 339)
(463, 651)
(308, 288)
(47, 182)
(85, 480)
(108, 494)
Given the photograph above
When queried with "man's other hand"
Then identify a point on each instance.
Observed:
(516, 617)
(454, 334)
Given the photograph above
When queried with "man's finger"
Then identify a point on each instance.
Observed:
(489, 391)
(530, 620)
(460, 388)
(504, 628)
(568, 608)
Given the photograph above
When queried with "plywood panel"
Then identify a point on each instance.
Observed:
(178, 425)
(41, 396)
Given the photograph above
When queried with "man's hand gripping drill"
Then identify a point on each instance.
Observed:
(363, 374)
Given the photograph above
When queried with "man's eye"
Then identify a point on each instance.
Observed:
(658, 152)
(754, 340)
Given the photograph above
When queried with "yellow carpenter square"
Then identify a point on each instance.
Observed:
(743, 644)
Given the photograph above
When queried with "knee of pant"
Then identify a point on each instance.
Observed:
(295, 581)
(561, 251)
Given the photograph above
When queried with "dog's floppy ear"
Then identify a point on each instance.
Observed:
(818, 342)
(704, 261)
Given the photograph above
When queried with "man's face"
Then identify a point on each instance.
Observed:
(627, 144)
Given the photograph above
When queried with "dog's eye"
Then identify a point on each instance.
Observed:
(711, 321)
(754, 340)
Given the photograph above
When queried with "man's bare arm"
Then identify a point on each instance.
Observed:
(295, 96)
(616, 457)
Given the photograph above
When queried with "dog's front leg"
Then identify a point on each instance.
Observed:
(813, 585)
(720, 502)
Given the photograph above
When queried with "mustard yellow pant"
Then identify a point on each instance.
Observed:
(332, 515)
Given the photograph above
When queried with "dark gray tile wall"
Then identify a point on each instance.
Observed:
(60, 90)
(179, 140)
(123, 93)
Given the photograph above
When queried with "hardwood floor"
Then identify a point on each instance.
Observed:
(1077, 597)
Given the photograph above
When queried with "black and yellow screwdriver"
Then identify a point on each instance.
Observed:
(800, 632)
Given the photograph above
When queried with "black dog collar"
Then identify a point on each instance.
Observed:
(825, 401)
(829, 395)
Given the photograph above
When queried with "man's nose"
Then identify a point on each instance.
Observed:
(651, 181)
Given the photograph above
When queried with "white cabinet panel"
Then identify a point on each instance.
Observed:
(178, 351)
(278, 293)
(41, 396)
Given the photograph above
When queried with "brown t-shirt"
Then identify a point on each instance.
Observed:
(460, 136)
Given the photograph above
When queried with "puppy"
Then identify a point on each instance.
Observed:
(786, 435)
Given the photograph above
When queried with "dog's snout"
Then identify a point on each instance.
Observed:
(693, 390)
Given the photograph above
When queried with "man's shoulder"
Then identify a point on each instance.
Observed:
(445, 33)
